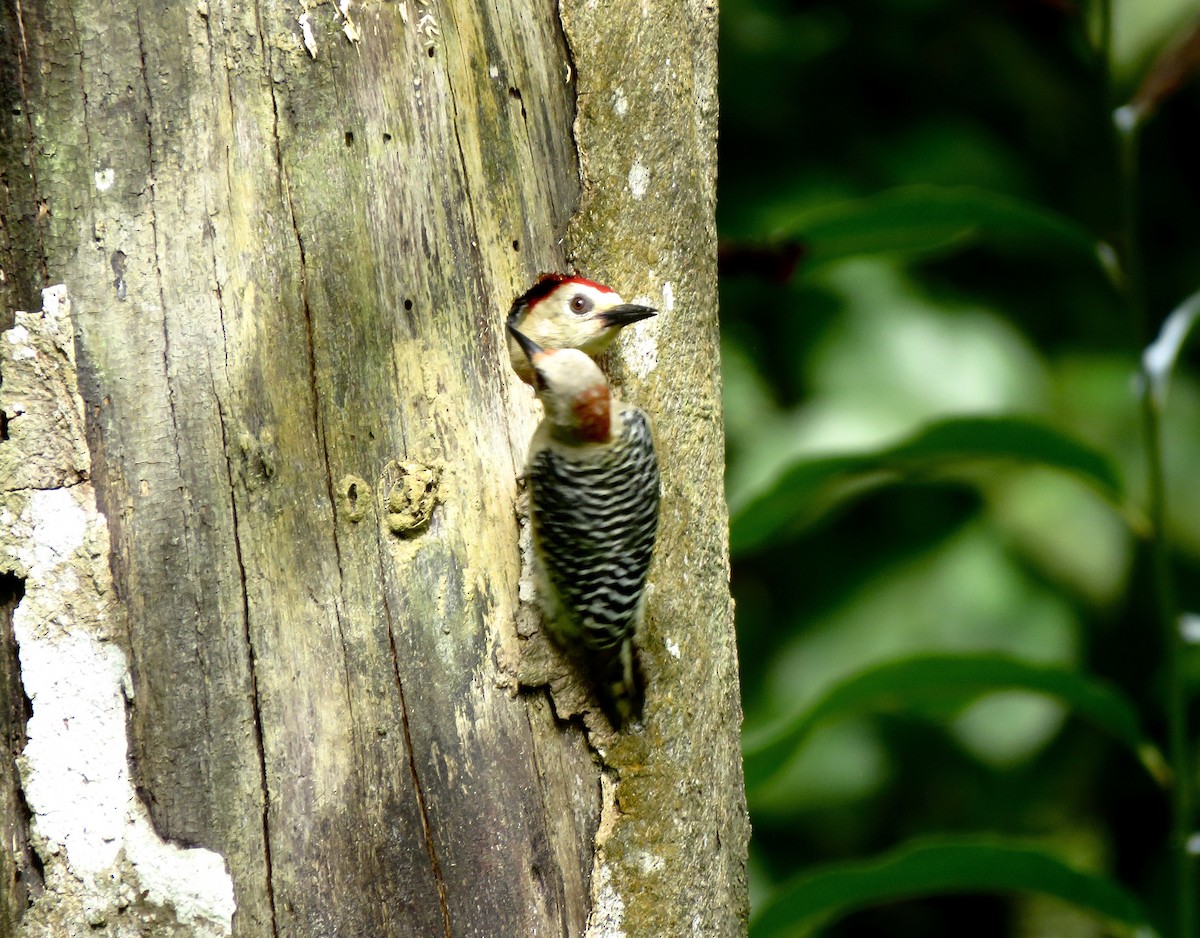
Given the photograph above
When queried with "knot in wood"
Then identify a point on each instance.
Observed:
(411, 497)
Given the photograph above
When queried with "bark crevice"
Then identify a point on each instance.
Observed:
(418, 790)
(252, 670)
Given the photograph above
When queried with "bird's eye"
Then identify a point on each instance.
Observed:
(580, 303)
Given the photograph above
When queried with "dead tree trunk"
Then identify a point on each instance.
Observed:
(265, 666)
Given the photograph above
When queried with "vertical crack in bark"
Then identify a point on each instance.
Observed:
(22, 56)
(252, 665)
(318, 427)
(285, 193)
(185, 521)
(476, 263)
(83, 96)
(252, 658)
(426, 825)
(574, 130)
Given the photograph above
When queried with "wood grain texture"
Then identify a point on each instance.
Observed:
(289, 273)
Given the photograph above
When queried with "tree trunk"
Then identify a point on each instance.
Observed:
(267, 652)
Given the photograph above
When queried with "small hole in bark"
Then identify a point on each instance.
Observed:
(387, 138)
(408, 305)
(516, 245)
(349, 138)
(431, 52)
(515, 94)
(12, 589)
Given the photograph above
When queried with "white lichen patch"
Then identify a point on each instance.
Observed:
(620, 102)
(18, 338)
(104, 179)
(310, 41)
(650, 863)
(607, 919)
(639, 346)
(639, 180)
(57, 526)
(668, 302)
(672, 647)
(348, 25)
(75, 766)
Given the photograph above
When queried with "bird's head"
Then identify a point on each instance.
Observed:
(567, 312)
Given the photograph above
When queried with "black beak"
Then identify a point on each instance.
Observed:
(528, 346)
(624, 314)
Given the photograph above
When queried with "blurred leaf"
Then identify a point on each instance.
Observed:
(956, 678)
(924, 218)
(937, 865)
(1158, 360)
(1045, 517)
(812, 485)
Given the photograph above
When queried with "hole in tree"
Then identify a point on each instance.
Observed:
(387, 138)
(515, 94)
(349, 138)
(408, 305)
(430, 50)
(516, 245)
(12, 590)
(30, 873)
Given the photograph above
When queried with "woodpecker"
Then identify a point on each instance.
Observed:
(593, 495)
(560, 312)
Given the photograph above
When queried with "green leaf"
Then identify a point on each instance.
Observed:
(924, 218)
(938, 865)
(810, 486)
(956, 679)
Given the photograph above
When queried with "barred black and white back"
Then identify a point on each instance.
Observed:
(595, 516)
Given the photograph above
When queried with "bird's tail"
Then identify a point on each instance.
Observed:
(620, 687)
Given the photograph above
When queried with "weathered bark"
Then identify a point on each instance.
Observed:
(288, 238)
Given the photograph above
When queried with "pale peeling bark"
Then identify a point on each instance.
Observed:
(289, 236)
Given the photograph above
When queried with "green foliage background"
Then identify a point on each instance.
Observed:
(938, 277)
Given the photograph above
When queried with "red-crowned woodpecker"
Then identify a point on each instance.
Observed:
(593, 496)
(561, 312)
